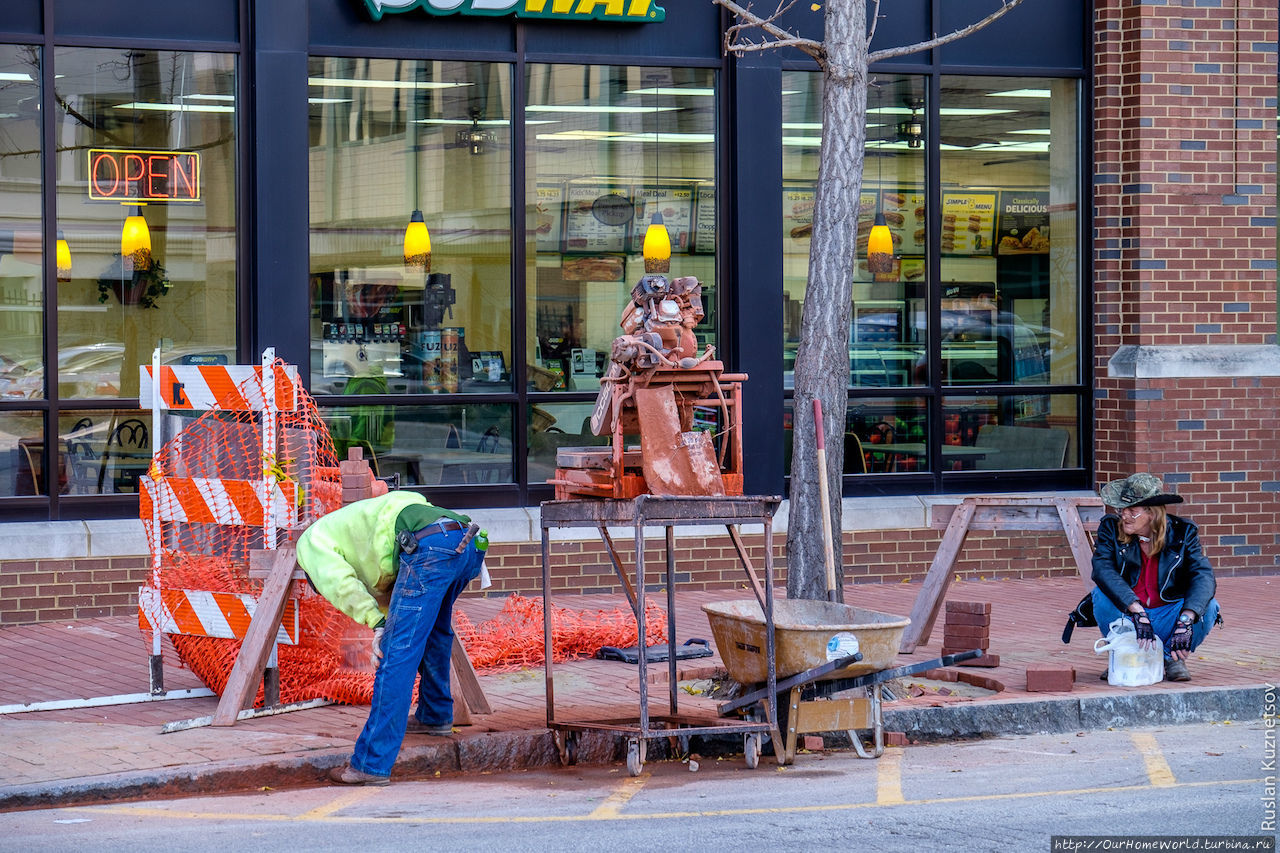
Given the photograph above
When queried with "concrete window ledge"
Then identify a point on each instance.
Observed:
(1185, 362)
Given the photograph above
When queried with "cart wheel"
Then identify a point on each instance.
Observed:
(635, 756)
(751, 749)
(567, 746)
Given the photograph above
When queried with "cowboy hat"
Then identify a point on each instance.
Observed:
(1137, 490)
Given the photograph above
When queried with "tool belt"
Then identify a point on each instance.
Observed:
(408, 539)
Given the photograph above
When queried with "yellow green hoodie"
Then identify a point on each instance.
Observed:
(351, 555)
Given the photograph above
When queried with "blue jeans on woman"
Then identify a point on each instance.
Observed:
(417, 639)
(1163, 619)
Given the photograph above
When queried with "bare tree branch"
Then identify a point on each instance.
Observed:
(750, 20)
(875, 19)
(1006, 6)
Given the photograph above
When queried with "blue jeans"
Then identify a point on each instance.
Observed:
(1163, 619)
(418, 639)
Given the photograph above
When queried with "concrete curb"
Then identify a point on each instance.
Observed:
(507, 751)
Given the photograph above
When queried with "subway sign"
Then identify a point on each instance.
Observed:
(140, 174)
(633, 11)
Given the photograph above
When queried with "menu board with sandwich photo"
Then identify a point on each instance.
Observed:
(548, 212)
(704, 220)
(1024, 223)
(797, 217)
(968, 223)
(597, 217)
(675, 203)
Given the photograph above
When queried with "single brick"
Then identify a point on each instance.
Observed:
(955, 650)
(986, 660)
(814, 743)
(1050, 678)
(957, 618)
(968, 606)
(963, 632)
(895, 738)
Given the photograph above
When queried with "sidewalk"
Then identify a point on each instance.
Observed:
(117, 752)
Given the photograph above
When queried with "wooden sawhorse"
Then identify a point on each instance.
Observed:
(1001, 512)
(280, 569)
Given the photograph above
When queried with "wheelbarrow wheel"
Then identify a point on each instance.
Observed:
(635, 756)
(751, 749)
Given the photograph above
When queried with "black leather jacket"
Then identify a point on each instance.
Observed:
(1182, 571)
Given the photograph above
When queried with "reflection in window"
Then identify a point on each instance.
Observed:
(609, 147)
(428, 445)
(146, 201)
(400, 308)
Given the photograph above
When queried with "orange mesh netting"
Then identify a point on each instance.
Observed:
(514, 638)
(202, 511)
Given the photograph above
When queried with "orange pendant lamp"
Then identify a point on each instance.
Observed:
(135, 240)
(657, 247)
(63, 257)
(417, 243)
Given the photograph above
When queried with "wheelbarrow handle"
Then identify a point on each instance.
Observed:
(787, 683)
(898, 672)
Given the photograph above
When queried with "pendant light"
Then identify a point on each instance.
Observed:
(417, 243)
(63, 257)
(135, 240)
(879, 241)
(656, 249)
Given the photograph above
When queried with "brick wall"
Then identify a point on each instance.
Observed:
(1185, 263)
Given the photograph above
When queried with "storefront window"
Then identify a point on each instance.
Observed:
(146, 202)
(21, 271)
(609, 147)
(395, 142)
(1005, 297)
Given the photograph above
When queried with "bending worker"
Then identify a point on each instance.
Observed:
(397, 564)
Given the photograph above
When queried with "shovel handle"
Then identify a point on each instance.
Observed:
(828, 549)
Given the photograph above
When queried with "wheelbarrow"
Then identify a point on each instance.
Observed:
(822, 649)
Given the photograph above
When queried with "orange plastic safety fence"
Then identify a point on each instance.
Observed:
(207, 527)
(514, 639)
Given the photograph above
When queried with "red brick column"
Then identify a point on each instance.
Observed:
(1188, 372)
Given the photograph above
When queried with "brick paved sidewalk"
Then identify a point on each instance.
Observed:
(49, 749)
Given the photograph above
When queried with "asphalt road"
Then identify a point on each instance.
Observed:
(1005, 794)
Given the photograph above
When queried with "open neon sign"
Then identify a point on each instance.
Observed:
(126, 174)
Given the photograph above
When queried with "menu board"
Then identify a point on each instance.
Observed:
(548, 215)
(704, 220)
(797, 217)
(597, 217)
(1024, 223)
(904, 213)
(968, 223)
(675, 203)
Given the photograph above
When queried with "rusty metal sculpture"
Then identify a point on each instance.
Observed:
(656, 378)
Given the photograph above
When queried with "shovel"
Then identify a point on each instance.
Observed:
(828, 549)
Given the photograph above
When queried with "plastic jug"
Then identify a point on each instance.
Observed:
(1130, 665)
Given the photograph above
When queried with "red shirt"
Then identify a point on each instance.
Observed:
(1148, 586)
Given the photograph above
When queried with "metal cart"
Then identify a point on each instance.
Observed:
(668, 513)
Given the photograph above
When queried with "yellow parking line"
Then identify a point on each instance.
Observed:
(340, 802)
(1158, 771)
(889, 778)
(612, 806)
(143, 811)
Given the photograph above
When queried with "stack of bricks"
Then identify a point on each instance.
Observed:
(357, 476)
(968, 626)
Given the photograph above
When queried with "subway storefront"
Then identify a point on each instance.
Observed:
(436, 211)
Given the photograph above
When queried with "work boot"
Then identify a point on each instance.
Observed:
(1176, 670)
(417, 728)
(348, 775)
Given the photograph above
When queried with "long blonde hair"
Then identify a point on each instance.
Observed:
(1159, 526)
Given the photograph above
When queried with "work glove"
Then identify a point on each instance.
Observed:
(377, 646)
(1142, 624)
(1181, 639)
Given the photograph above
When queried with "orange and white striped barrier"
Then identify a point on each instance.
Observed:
(197, 500)
(207, 614)
(217, 387)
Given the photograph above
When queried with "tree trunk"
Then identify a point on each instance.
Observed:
(822, 358)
